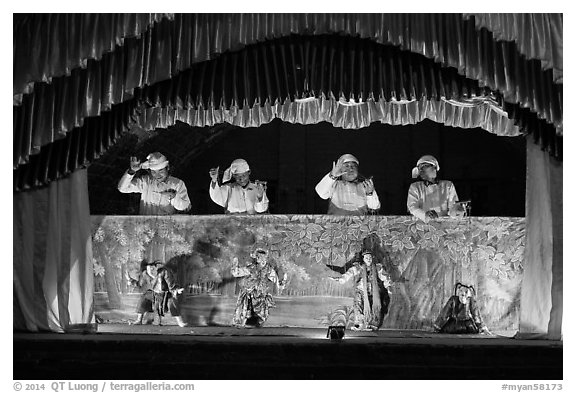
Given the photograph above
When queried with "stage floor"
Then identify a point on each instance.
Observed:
(302, 334)
(170, 352)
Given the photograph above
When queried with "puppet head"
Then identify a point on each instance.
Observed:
(464, 292)
(260, 255)
(367, 257)
(152, 268)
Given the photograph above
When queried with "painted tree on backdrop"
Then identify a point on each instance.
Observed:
(121, 245)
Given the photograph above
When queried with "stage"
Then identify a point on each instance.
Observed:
(424, 261)
(288, 93)
(123, 352)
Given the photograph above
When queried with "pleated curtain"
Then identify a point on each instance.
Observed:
(537, 36)
(541, 301)
(48, 46)
(53, 276)
(167, 46)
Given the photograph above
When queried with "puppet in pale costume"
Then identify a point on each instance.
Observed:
(255, 297)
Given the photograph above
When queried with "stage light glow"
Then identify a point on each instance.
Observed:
(335, 332)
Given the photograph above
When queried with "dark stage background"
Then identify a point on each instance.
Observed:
(488, 169)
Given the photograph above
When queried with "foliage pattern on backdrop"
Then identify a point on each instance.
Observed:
(424, 259)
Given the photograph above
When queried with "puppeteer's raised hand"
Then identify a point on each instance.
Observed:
(135, 164)
(169, 193)
(337, 169)
(368, 186)
(260, 189)
(214, 174)
(179, 291)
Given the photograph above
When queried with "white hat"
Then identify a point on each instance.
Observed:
(238, 166)
(427, 159)
(155, 161)
(344, 158)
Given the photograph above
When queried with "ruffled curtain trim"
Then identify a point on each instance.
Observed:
(479, 112)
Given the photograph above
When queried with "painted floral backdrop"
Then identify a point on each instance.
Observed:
(425, 260)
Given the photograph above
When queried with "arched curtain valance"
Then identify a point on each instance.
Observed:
(80, 147)
(69, 40)
(297, 67)
(537, 36)
(55, 109)
(173, 45)
(52, 45)
(349, 82)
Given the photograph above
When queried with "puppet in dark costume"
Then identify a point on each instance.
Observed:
(255, 298)
(460, 314)
(371, 297)
(161, 293)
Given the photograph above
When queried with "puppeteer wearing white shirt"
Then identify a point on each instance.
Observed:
(347, 194)
(238, 194)
(431, 198)
(161, 194)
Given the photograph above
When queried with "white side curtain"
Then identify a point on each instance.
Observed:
(53, 272)
(541, 297)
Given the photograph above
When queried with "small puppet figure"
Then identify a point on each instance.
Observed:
(161, 293)
(255, 298)
(460, 314)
